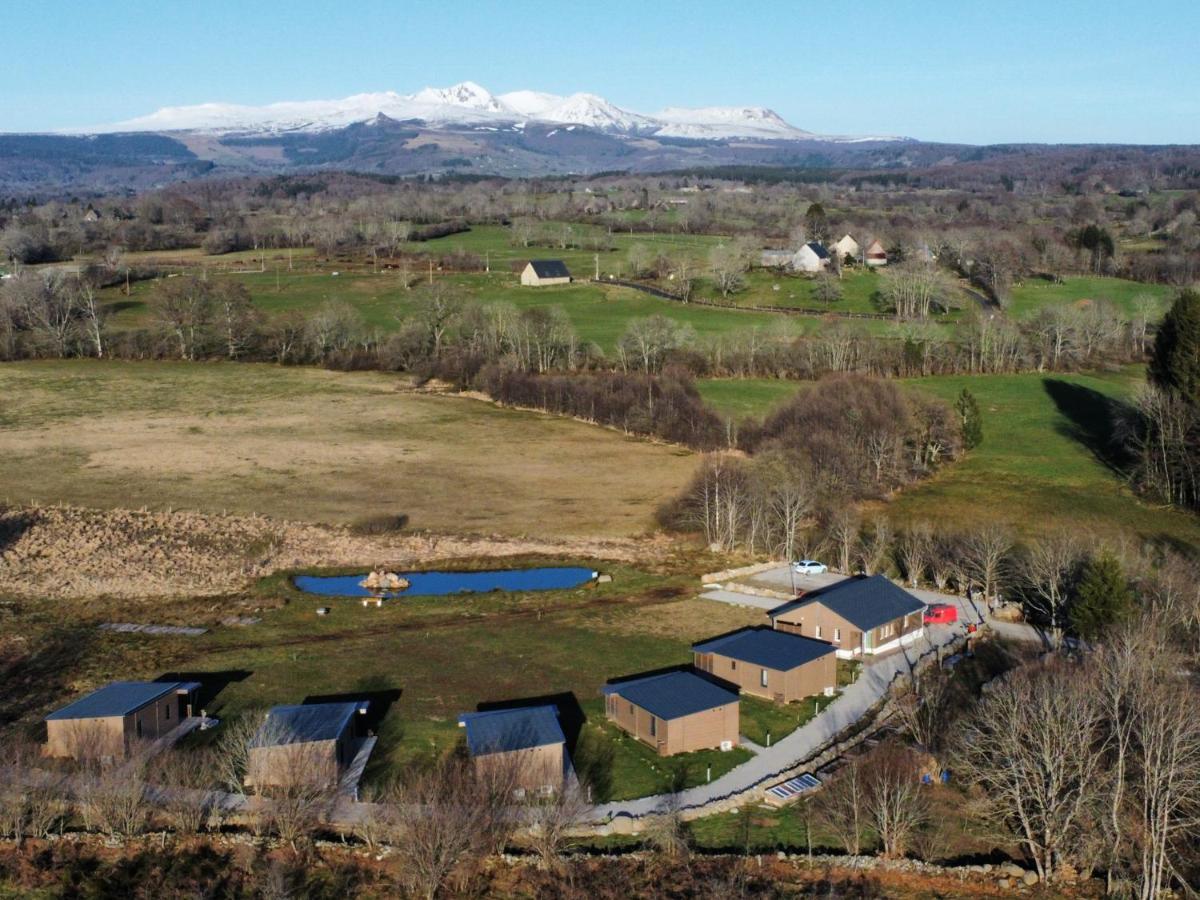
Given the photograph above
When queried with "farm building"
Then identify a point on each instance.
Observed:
(812, 257)
(675, 712)
(857, 616)
(776, 259)
(846, 246)
(875, 255)
(109, 722)
(529, 739)
(772, 664)
(540, 272)
(312, 743)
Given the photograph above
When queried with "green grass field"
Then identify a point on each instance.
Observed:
(1042, 465)
(1035, 293)
(424, 660)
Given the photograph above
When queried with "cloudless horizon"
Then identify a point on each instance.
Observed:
(1055, 72)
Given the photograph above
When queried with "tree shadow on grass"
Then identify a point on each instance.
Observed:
(1091, 420)
(13, 525)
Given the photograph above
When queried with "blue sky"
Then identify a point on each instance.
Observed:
(969, 71)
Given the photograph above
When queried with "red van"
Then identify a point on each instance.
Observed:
(941, 614)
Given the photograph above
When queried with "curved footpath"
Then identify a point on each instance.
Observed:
(855, 702)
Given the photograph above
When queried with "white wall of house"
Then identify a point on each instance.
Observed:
(805, 260)
(846, 246)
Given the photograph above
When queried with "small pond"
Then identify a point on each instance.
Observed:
(430, 584)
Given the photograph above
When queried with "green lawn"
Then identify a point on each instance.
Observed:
(761, 719)
(620, 767)
(1035, 293)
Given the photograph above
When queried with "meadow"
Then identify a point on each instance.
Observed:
(1036, 293)
(1047, 460)
(283, 281)
(312, 445)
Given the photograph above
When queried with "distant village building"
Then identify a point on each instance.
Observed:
(812, 257)
(875, 255)
(857, 616)
(846, 246)
(675, 712)
(529, 739)
(91, 214)
(110, 722)
(776, 259)
(773, 664)
(541, 272)
(312, 743)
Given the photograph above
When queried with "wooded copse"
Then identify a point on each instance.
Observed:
(845, 439)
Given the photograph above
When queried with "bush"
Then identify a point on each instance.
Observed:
(384, 523)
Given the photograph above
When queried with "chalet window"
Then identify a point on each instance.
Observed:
(762, 677)
(137, 727)
(817, 630)
(837, 635)
(653, 727)
(631, 709)
(733, 664)
(167, 712)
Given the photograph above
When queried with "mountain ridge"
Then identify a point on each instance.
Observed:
(468, 103)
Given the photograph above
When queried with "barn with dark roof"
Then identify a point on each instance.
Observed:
(858, 616)
(675, 712)
(540, 272)
(772, 664)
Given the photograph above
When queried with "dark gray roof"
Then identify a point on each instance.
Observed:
(120, 698)
(673, 694)
(766, 647)
(501, 730)
(550, 268)
(306, 722)
(818, 248)
(863, 602)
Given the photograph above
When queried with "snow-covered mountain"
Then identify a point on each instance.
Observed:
(469, 104)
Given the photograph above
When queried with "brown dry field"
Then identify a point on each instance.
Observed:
(316, 446)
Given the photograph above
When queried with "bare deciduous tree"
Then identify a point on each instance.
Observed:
(893, 797)
(1034, 747)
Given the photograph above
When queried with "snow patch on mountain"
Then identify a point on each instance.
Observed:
(468, 103)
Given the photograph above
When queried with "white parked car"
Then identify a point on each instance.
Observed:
(809, 567)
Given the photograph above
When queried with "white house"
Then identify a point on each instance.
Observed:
(846, 246)
(539, 272)
(812, 257)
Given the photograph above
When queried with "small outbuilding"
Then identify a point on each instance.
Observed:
(675, 712)
(541, 272)
(857, 616)
(312, 743)
(773, 664)
(875, 255)
(110, 722)
(529, 739)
